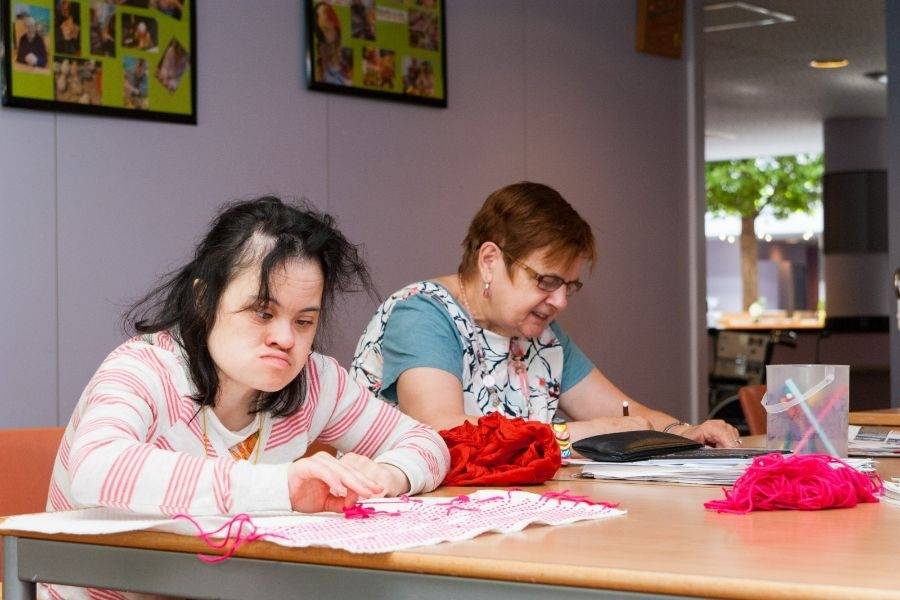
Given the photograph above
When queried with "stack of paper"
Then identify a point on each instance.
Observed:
(709, 471)
(892, 491)
(873, 441)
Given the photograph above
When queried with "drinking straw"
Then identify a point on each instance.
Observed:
(838, 394)
(813, 421)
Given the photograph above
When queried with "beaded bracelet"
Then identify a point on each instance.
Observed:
(561, 433)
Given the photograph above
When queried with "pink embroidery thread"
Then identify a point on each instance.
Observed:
(800, 482)
(358, 511)
(565, 495)
(232, 541)
(458, 502)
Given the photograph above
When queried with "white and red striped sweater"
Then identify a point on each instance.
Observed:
(135, 441)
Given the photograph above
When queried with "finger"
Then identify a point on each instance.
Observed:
(349, 477)
(316, 470)
(338, 504)
(334, 504)
(349, 463)
(350, 499)
(358, 462)
(337, 476)
(726, 437)
(719, 434)
(366, 466)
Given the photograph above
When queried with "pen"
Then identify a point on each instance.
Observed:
(625, 408)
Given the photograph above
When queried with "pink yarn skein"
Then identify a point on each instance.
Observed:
(799, 482)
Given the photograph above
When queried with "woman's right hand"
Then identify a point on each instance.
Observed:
(322, 483)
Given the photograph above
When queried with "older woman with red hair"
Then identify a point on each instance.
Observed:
(486, 339)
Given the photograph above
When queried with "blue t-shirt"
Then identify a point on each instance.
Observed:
(420, 333)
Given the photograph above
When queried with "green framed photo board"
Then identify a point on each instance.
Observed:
(390, 49)
(125, 58)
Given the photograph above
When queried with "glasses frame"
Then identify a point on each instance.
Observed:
(572, 287)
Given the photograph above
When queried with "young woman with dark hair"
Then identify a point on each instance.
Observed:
(211, 407)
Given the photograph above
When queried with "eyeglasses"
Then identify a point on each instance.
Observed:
(547, 283)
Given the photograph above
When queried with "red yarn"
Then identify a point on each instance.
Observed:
(799, 482)
(501, 451)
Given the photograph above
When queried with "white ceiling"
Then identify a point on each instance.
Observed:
(762, 98)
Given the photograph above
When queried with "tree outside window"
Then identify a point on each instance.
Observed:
(744, 188)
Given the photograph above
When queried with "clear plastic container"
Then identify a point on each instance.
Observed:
(807, 408)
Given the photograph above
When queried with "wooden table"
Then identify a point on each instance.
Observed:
(667, 545)
(887, 417)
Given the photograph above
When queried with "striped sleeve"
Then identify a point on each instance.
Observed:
(362, 424)
(113, 458)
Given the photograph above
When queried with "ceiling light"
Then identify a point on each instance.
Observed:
(725, 16)
(829, 63)
(879, 76)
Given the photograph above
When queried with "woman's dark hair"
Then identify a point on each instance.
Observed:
(265, 232)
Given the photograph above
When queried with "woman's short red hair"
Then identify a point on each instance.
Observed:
(524, 217)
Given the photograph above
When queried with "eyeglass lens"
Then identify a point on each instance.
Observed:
(551, 283)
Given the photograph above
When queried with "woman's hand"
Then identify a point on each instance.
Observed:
(716, 433)
(322, 483)
(390, 478)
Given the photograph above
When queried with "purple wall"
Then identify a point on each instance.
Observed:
(94, 209)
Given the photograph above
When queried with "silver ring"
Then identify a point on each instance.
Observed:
(739, 442)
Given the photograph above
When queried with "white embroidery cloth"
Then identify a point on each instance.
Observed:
(398, 524)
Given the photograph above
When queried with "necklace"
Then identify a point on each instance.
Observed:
(486, 378)
(516, 363)
(465, 296)
(242, 450)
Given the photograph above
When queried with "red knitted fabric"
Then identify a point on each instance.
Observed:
(501, 451)
(801, 482)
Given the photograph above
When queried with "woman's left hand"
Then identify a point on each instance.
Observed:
(715, 432)
(389, 477)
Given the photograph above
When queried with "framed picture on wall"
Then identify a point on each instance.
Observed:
(390, 49)
(124, 58)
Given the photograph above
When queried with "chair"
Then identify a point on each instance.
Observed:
(26, 462)
(751, 403)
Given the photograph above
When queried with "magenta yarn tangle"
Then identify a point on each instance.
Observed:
(799, 482)
(233, 539)
(358, 511)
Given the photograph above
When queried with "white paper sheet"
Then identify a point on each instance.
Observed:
(710, 471)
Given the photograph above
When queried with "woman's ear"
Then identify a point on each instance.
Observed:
(489, 257)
